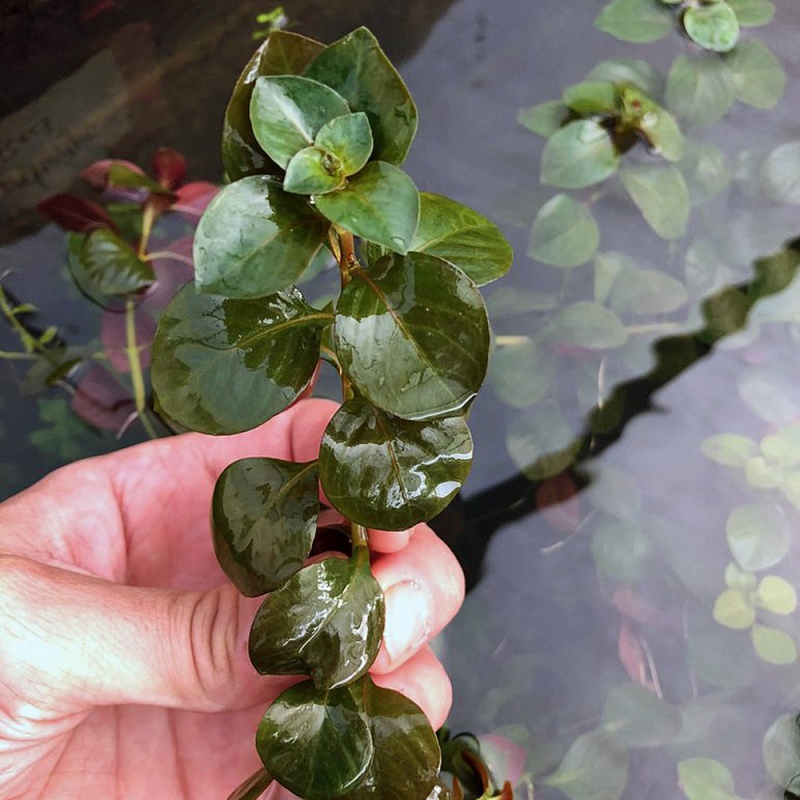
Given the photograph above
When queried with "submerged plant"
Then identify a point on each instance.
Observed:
(312, 143)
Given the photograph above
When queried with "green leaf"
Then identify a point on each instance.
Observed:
(544, 118)
(729, 449)
(753, 13)
(774, 646)
(608, 267)
(706, 779)
(465, 238)
(699, 90)
(781, 750)
(264, 519)
(721, 658)
(104, 264)
(737, 578)
(123, 177)
(253, 787)
(758, 77)
(713, 25)
(579, 154)
(431, 318)
(594, 768)
(783, 448)
(630, 71)
(758, 536)
(635, 20)
(592, 97)
(645, 292)
(777, 595)
(380, 204)
(621, 550)
(287, 112)
(358, 69)
(281, 53)
(586, 325)
(638, 718)
(661, 195)
(329, 728)
(564, 233)
(733, 610)
(225, 365)
(254, 239)
(780, 173)
(326, 621)
(541, 443)
(521, 373)
(389, 473)
(706, 170)
(653, 122)
(349, 138)
(313, 171)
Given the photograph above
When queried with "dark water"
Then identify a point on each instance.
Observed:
(599, 521)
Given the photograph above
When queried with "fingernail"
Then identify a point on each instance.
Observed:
(407, 619)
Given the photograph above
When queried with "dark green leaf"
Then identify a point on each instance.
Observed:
(630, 71)
(758, 77)
(635, 20)
(253, 787)
(758, 536)
(413, 336)
(287, 112)
(254, 239)
(326, 621)
(699, 90)
(594, 768)
(358, 69)
(638, 718)
(380, 204)
(564, 233)
(579, 154)
(661, 195)
(592, 97)
(223, 366)
(780, 173)
(781, 749)
(465, 238)
(753, 13)
(107, 265)
(712, 25)
(330, 730)
(349, 138)
(545, 118)
(313, 171)
(389, 473)
(282, 53)
(264, 519)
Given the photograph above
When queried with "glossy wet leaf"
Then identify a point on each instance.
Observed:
(592, 97)
(753, 12)
(733, 609)
(281, 53)
(255, 239)
(287, 112)
(780, 173)
(541, 443)
(758, 536)
(544, 118)
(631, 71)
(661, 195)
(313, 171)
(108, 265)
(586, 325)
(226, 365)
(594, 768)
(777, 595)
(326, 621)
(635, 20)
(730, 449)
(564, 233)
(349, 138)
(706, 779)
(758, 77)
(331, 731)
(430, 316)
(521, 373)
(404, 472)
(699, 90)
(264, 519)
(579, 154)
(781, 750)
(358, 69)
(773, 646)
(713, 25)
(638, 718)
(706, 171)
(462, 236)
(380, 204)
(621, 550)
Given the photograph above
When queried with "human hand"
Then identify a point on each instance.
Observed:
(123, 648)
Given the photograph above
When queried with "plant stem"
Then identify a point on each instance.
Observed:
(12, 356)
(166, 254)
(358, 535)
(132, 352)
(148, 218)
(253, 787)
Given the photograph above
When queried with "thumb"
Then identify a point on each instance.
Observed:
(70, 641)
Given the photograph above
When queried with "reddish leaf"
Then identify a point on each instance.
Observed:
(631, 655)
(75, 214)
(507, 792)
(101, 401)
(557, 500)
(96, 175)
(171, 274)
(113, 333)
(169, 167)
(632, 606)
(505, 759)
(193, 198)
